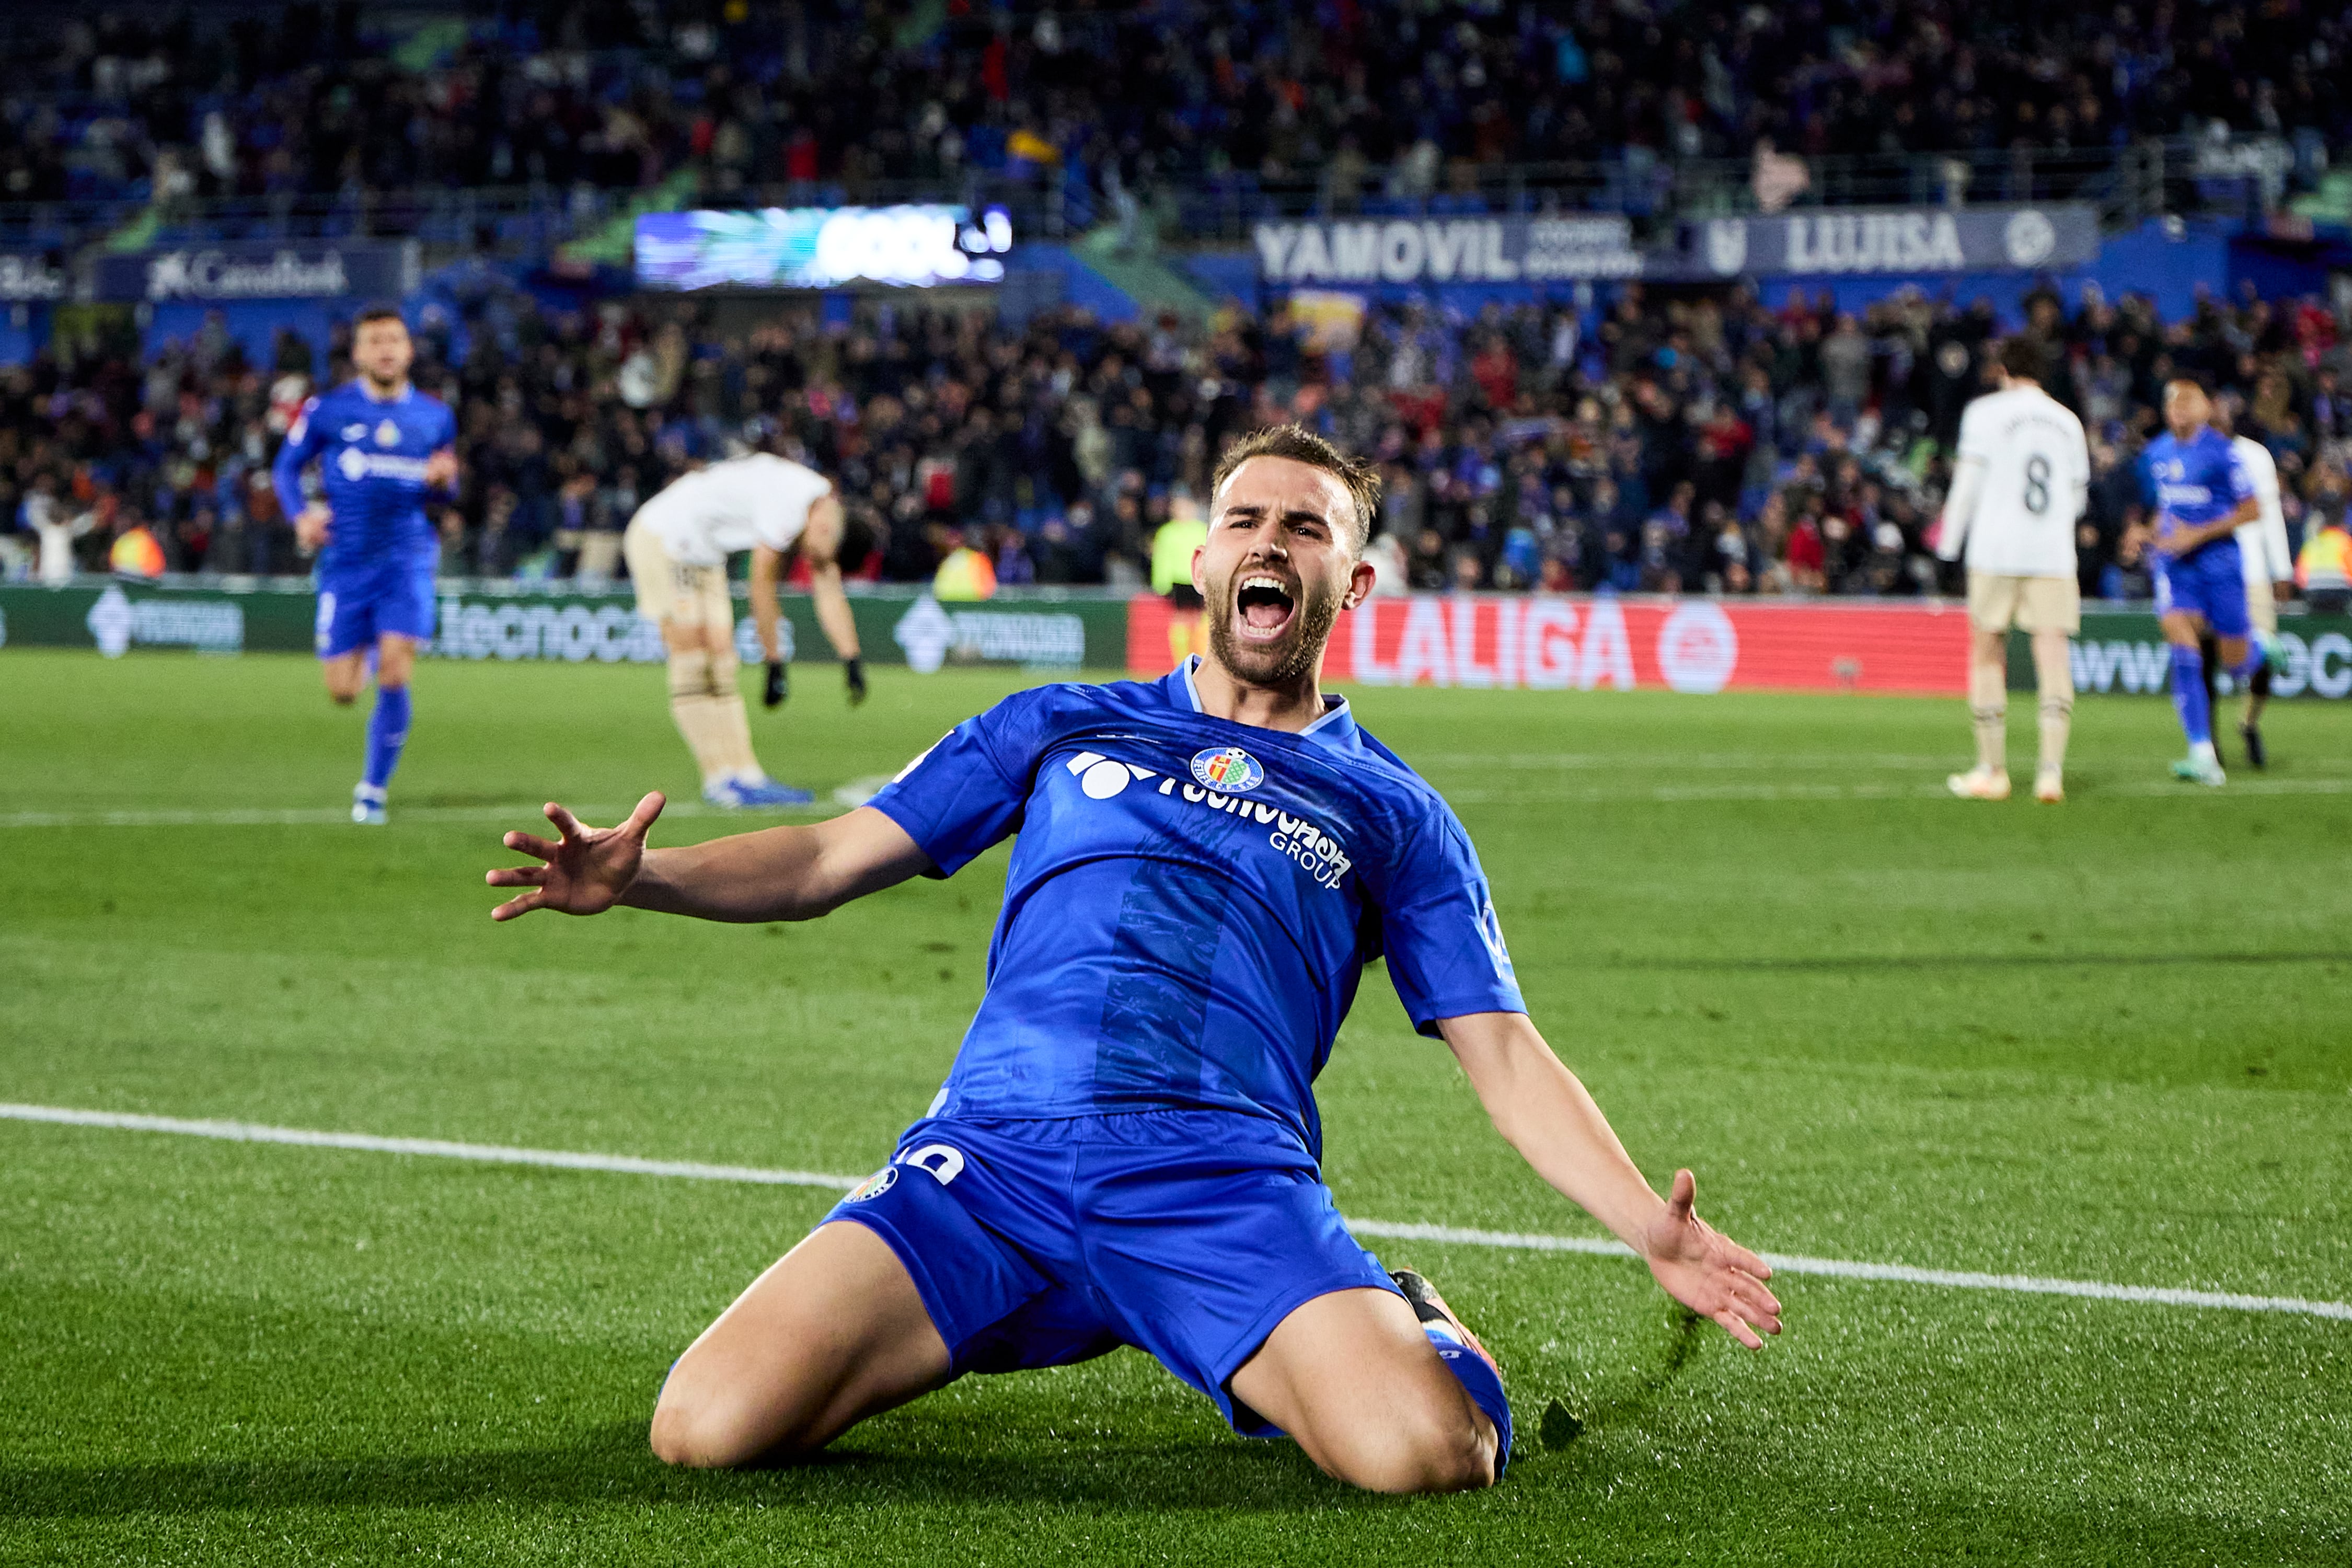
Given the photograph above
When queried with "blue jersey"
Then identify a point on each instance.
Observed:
(2197, 481)
(372, 459)
(1191, 902)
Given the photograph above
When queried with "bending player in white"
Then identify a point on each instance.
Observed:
(2268, 561)
(2023, 479)
(676, 547)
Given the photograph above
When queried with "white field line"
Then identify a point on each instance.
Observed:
(625, 1165)
(523, 815)
(526, 815)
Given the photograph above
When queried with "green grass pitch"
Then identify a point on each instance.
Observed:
(2111, 1041)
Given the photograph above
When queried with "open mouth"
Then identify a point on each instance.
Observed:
(1265, 604)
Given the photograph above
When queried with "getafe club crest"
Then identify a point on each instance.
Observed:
(1228, 768)
(875, 1186)
(387, 434)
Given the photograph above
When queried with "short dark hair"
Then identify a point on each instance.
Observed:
(2022, 356)
(378, 313)
(1300, 445)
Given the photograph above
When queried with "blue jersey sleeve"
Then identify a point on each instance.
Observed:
(968, 792)
(1444, 945)
(303, 442)
(2237, 484)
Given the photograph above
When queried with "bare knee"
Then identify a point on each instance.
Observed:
(1431, 1451)
(714, 1433)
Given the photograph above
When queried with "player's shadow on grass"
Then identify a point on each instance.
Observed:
(612, 1464)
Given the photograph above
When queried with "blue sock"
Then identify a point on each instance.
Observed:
(387, 732)
(1478, 1380)
(2188, 699)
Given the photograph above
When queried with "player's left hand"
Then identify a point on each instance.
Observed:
(587, 870)
(853, 671)
(1708, 1272)
(441, 469)
(778, 686)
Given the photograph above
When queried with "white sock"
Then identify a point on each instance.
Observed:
(2202, 751)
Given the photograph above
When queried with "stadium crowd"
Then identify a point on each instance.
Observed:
(759, 93)
(1708, 439)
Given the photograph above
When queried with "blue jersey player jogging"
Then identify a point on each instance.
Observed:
(2199, 490)
(374, 439)
(1127, 1150)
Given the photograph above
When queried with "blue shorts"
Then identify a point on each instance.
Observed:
(2212, 582)
(356, 609)
(1187, 1234)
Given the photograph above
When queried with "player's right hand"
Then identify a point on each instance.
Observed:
(587, 870)
(779, 685)
(310, 529)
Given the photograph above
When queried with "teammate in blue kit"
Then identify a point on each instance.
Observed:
(381, 445)
(2201, 494)
(1127, 1149)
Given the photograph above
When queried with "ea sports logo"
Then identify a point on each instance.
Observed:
(1228, 768)
(1697, 648)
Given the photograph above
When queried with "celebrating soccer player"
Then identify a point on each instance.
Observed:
(2023, 479)
(2203, 495)
(1127, 1150)
(676, 547)
(381, 445)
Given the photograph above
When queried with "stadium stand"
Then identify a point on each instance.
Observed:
(1716, 441)
(1709, 437)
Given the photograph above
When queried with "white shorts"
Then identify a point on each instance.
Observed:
(2261, 607)
(1996, 602)
(669, 592)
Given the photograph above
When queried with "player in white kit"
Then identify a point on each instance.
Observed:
(676, 547)
(2269, 564)
(2021, 480)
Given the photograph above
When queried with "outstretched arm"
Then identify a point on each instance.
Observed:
(776, 874)
(1546, 1114)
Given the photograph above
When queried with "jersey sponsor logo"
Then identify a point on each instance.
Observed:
(356, 465)
(1317, 853)
(387, 434)
(1102, 778)
(1228, 768)
(874, 1186)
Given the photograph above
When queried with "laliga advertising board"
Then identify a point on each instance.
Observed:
(1562, 644)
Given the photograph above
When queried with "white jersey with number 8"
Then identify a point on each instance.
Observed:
(2030, 479)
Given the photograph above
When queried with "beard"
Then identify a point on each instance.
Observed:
(1289, 659)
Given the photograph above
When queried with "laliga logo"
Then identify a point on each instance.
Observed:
(1697, 648)
(1228, 768)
